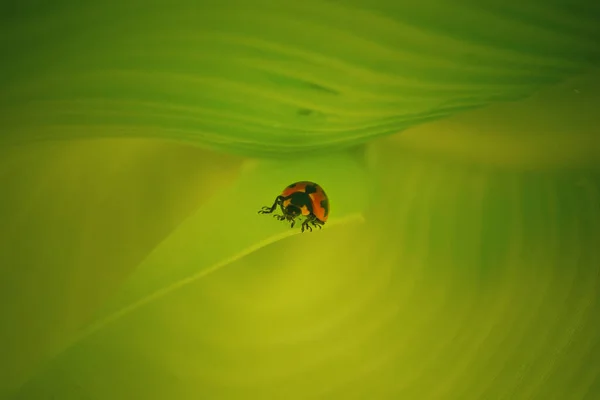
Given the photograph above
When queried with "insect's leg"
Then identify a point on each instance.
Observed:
(313, 220)
(305, 226)
(269, 210)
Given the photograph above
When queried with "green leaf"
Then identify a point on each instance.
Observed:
(226, 228)
(463, 277)
(462, 263)
(276, 79)
(77, 217)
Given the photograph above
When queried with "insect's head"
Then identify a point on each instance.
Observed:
(291, 211)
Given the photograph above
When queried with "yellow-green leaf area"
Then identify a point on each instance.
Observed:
(460, 260)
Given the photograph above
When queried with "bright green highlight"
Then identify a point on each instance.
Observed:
(222, 225)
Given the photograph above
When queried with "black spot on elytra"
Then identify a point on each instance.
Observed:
(293, 185)
(310, 189)
(301, 199)
(325, 204)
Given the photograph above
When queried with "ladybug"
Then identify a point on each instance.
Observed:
(304, 198)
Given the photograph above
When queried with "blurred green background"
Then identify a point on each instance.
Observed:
(457, 141)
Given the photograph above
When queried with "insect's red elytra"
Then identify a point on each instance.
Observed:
(306, 199)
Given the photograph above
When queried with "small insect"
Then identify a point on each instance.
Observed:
(304, 198)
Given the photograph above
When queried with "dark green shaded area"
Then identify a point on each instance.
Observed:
(276, 80)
